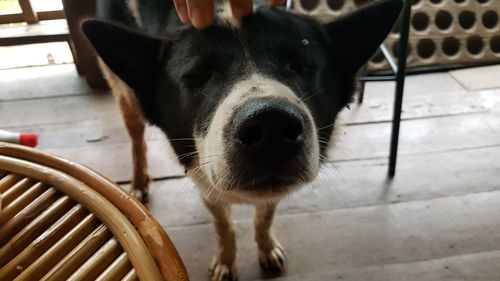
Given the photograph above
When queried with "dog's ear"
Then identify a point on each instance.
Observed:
(133, 56)
(356, 37)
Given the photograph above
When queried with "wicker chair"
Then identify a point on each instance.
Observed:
(62, 221)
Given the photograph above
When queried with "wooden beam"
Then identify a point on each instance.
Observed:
(29, 14)
(45, 15)
(51, 15)
(11, 18)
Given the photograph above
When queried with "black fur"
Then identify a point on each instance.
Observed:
(182, 75)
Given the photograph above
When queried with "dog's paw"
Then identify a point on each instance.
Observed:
(222, 272)
(273, 260)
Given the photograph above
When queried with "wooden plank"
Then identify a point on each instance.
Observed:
(477, 267)
(433, 83)
(91, 126)
(81, 108)
(87, 133)
(478, 78)
(371, 239)
(11, 18)
(377, 106)
(86, 141)
(418, 136)
(31, 82)
(50, 15)
(57, 110)
(115, 160)
(56, 30)
(351, 184)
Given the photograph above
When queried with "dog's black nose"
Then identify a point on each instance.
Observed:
(268, 132)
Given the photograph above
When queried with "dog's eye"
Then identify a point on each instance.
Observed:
(196, 79)
(301, 68)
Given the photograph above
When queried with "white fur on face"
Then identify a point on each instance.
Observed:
(213, 173)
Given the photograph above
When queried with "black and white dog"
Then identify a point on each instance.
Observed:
(249, 107)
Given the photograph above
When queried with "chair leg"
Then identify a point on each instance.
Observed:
(400, 82)
(361, 83)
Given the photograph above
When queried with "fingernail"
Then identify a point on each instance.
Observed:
(199, 19)
(183, 14)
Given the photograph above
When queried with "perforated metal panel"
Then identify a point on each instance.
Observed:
(443, 33)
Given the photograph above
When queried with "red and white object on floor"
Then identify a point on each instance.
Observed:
(19, 138)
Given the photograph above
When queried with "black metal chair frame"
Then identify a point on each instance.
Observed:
(399, 69)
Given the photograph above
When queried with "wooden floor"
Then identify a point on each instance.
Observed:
(438, 219)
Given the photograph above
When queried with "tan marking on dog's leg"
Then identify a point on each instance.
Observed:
(223, 266)
(271, 253)
(135, 124)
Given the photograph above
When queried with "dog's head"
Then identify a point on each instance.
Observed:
(248, 108)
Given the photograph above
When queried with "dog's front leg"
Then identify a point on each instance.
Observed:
(223, 266)
(271, 254)
(135, 124)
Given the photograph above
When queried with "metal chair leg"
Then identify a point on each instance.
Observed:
(400, 82)
(361, 83)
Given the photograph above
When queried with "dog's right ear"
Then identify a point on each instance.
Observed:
(133, 56)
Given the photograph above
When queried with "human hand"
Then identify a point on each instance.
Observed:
(200, 13)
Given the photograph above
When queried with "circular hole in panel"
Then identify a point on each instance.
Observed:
(475, 45)
(309, 5)
(395, 49)
(483, 1)
(495, 44)
(490, 19)
(450, 46)
(436, 2)
(378, 57)
(467, 19)
(460, 1)
(360, 3)
(415, 2)
(420, 21)
(426, 48)
(443, 20)
(336, 5)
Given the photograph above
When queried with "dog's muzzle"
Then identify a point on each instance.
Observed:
(266, 143)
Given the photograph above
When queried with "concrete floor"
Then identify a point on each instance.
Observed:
(438, 219)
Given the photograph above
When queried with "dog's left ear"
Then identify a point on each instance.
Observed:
(356, 37)
(133, 56)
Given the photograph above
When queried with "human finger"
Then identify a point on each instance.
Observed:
(201, 12)
(182, 10)
(241, 8)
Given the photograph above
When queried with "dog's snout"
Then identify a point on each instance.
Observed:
(269, 131)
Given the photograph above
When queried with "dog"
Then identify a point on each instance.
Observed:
(249, 107)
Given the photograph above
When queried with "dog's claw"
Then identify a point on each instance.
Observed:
(274, 260)
(223, 272)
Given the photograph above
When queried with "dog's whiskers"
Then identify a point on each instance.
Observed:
(327, 126)
(312, 95)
